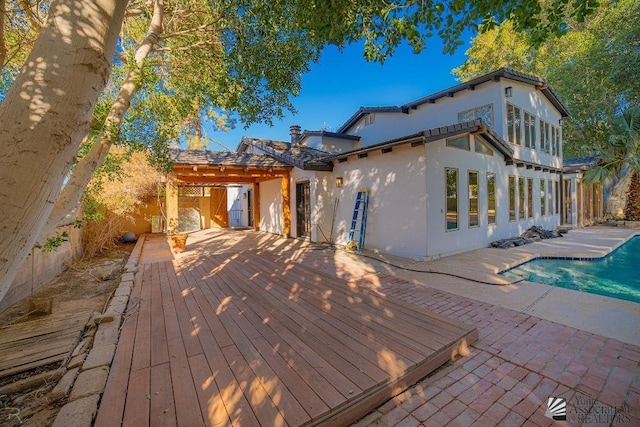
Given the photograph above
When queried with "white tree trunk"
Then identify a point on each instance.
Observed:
(45, 116)
(86, 167)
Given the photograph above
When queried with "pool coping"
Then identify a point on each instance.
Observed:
(607, 316)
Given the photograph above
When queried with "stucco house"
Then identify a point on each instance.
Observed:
(446, 173)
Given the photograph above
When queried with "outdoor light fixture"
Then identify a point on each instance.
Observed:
(339, 182)
(508, 91)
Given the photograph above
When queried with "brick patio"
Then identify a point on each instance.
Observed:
(517, 364)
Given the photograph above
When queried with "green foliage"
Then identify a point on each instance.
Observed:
(593, 66)
(53, 243)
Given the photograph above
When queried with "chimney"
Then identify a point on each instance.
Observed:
(296, 133)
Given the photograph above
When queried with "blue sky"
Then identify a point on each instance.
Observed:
(342, 82)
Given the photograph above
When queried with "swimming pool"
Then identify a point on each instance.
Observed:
(617, 275)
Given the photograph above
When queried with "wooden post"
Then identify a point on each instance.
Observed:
(256, 206)
(286, 206)
(171, 195)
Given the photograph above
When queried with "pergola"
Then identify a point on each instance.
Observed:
(200, 167)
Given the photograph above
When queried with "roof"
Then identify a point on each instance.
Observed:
(505, 72)
(576, 164)
(363, 111)
(331, 135)
(223, 158)
(435, 134)
(300, 156)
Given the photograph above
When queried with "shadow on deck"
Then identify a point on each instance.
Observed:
(268, 337)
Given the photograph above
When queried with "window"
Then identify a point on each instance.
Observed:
(484, 112)
(514, 133)
(369, 119)
(451, 177)
(461, 142)
(473, 199)
(521, 205)
(491, 198)
(529, 130)
(545, 136)
(555, 141)
(557, 205)
(543, 198)
(512, 198)
(550, 197)
(529, 197)
(482, 147)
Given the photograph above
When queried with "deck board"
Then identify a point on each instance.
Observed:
(256, 338)
(39, 342)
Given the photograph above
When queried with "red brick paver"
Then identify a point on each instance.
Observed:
(517, 364)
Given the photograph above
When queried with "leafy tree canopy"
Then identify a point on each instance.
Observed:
(593, 67)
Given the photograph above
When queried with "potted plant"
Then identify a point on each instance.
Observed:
(177, 240)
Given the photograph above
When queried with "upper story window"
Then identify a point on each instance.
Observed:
(545, 136)
(555, 141)
(514, 119)
(529, 130)
(484, 112)
(369, 119)
(482, 147)
(461, 142)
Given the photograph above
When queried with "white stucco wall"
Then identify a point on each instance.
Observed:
(442, 242)
(443, 112)
(321, 203)
(396, 221)
(271, 206)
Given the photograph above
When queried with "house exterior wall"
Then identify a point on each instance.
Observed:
(396, 221)
(441, 241)
(321, 203)
(443, 112)
(271, 206)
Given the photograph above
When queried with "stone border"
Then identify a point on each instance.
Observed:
(86, 373)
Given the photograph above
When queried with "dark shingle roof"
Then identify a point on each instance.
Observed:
(223, 158)
(575, 164)
(294, 155)
(435, 134)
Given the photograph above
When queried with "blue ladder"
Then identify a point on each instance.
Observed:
(359, 216)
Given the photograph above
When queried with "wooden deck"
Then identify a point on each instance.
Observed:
(39, 342)
(256, 338)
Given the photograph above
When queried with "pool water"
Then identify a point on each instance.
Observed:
(617, 275)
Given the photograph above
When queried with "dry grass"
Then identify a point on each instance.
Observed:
(117, 201)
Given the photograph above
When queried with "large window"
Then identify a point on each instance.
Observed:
(529, 197)
(555, 141)
(473, 199)
(484, 112)
(514, 132)
(529, 130)
(521, 205)
(550, 197)
(491, 198)
(557, 205)
(461, 142)
(545, 136)
(512, 198)
(543, 198)
(451, 178)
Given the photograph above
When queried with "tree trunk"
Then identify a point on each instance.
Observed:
(45, 116)
(86, 167)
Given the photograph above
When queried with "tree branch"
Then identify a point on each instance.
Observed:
(3, 47)
(86, 167)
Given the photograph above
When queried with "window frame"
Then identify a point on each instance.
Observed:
(491, 192)
(454, 138)
(446, 198)
(477, 199)
(511, 191)
(475, 114)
